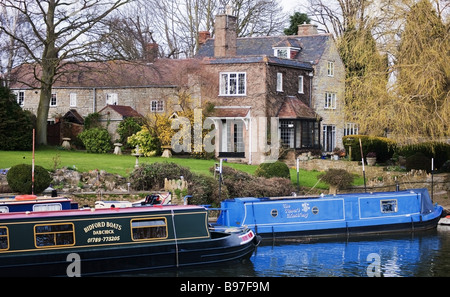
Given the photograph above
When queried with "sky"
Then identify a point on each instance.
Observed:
(291, 6)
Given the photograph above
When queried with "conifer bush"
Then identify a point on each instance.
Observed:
(273, 169)
(20, 180)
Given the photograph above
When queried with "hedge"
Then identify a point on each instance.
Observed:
(383, 147)
(438, 150)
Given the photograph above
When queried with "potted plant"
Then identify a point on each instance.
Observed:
(371, 158)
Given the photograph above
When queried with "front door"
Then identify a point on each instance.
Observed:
(232, 139)
(329, 138)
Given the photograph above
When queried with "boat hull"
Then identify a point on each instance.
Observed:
(89, 242)
(122, 260)
(334, 215)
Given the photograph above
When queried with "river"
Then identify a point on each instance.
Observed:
(421, 254)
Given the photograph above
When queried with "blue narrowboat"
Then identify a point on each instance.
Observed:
(332, 215)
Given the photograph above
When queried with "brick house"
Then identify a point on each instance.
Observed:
(297, 79)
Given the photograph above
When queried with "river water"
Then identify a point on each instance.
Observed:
(421, 254)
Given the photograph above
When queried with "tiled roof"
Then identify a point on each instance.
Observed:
(231, 112)
(313, 46)
(74, 117)
(117, 73)
(258, 59)
(294, 108)
(123, 110)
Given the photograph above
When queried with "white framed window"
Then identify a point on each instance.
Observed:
(300, 85)
(279, 82)
(73, 99)
(20, 96)
(330, 68)
(53, 101)
(112, 99)
(281, 52)
(233, 84)
(157, 106)
(330, 101)
(351, 129)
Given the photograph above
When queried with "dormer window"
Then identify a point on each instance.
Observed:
(286, 52)
(287, 48)
(281, 53)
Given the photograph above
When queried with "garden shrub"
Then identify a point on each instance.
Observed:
(418, 161)
(128, 127)
(438, 150)
(242, 184)
(205, 190)
(273, 169)
(96, 140)
(338, 178)
(384, 148)
(148, 145)
(20, 180)
(150, 177)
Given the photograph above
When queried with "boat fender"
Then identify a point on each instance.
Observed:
(25, 197)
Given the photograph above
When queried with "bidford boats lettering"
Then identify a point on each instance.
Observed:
(97, 225)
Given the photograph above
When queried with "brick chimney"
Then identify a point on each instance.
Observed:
(203, 36)
(307, 29)
(151, 51)
(225, 39)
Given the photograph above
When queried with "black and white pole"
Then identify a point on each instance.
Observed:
(432, 181)
(364, 171)
(298, 175)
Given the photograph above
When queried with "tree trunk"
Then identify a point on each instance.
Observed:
(42, 114)
(49, 65)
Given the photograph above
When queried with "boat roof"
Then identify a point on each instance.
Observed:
(368, 194)
(12, 200)
(98, 211)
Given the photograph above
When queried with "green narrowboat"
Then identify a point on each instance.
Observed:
(85, 242)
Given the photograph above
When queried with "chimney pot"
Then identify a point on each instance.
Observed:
(203, 36)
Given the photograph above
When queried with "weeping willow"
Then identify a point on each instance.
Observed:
(366, 81)
(422, 89)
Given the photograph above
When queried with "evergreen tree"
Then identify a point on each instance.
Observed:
(16, 125)
(296, 19)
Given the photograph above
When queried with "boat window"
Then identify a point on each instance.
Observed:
(54, 235)
(4, 240)
(4, 209)
(149, 228)
(388, 206)
(47, 207)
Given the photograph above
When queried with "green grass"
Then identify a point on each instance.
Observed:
(52, 157)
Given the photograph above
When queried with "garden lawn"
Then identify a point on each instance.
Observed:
(52, 158)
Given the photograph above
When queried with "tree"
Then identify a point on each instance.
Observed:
(366, 92)
(60, 31)
(296, 19)
(422, 99)
(176, 23)
(16, 125)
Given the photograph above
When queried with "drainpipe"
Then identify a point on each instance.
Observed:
(94, 99)
(250, 146)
